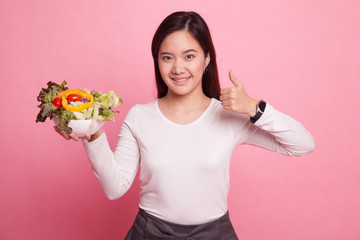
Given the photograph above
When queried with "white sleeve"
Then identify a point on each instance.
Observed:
(281, 133)
(115, 170)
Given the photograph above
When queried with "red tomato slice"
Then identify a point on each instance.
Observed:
(73, 98)
(57, 102)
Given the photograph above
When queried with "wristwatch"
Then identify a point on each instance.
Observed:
(260, 106)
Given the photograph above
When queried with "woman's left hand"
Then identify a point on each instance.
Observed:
(236, 99)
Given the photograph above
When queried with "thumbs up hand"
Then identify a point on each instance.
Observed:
(236, 99)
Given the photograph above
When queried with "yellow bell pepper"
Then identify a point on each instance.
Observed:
(62, 93)
(80, 93)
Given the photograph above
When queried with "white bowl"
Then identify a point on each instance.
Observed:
(82, 127)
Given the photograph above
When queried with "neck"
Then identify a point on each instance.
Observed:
(185, 103)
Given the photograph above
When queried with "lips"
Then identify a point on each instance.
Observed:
(180, 80)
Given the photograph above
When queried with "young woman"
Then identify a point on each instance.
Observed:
(183, 141)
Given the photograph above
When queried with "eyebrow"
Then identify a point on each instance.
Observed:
(187, 51)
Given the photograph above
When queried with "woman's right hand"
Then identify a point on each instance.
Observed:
(76, 138)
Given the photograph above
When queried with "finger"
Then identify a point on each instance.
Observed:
(74, 137)
(226, 103)
(57, 129)
(230, 94)
(87, 136)
(226, 97)
(228, 106)
(233, 79)
(225, 91)
(229, 109)
(65, 135)
(62, 133)
(226, 94)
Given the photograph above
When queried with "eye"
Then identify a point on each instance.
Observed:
(166, 58)
(189, 56)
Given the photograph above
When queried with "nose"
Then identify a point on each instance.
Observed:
(178, 67)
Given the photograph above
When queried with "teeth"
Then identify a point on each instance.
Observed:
(180, 80)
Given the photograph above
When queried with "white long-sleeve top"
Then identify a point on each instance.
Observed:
(185, 168)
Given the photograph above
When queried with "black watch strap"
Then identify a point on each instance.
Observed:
(261, 105)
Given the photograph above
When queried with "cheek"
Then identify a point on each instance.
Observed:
(164, 71)
(198, 68)
(162, 68)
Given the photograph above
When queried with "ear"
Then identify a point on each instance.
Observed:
(207, 60)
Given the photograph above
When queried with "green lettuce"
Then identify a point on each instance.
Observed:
(109, 100)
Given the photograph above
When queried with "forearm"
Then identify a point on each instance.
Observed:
(281, 133)
(114, 172)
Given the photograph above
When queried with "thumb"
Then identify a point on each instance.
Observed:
(87, 136)
(233, 79)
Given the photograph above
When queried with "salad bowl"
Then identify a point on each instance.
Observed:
(77, 111)
(82, 127)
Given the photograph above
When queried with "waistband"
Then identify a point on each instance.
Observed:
(151, 227)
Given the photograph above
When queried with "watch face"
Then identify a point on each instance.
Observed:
(262, 106)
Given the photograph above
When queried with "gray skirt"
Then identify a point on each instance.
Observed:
(150, 227)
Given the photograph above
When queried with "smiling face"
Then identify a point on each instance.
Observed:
(182, 63)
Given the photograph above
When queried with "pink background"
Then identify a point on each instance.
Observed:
(302, 56)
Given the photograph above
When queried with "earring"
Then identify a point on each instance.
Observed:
(205, 70)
